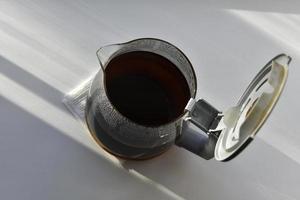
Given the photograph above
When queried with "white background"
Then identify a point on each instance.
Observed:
(48, 47)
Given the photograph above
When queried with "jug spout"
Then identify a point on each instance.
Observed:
(105, 53)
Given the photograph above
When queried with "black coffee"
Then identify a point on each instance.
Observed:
(146, 88)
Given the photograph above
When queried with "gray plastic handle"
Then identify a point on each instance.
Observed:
(195, 135)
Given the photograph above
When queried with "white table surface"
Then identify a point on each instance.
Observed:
(48, 47)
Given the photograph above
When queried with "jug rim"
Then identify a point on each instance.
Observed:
(193, 95)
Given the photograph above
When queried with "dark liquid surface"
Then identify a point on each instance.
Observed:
(146, 88)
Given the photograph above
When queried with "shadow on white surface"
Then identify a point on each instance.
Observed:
(32, 83)
(48, 47)
(40, 162)
(262, 170)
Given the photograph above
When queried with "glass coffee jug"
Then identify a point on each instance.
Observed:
(142, 101)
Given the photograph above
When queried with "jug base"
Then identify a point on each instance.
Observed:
(76, 101)
(119, 149)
